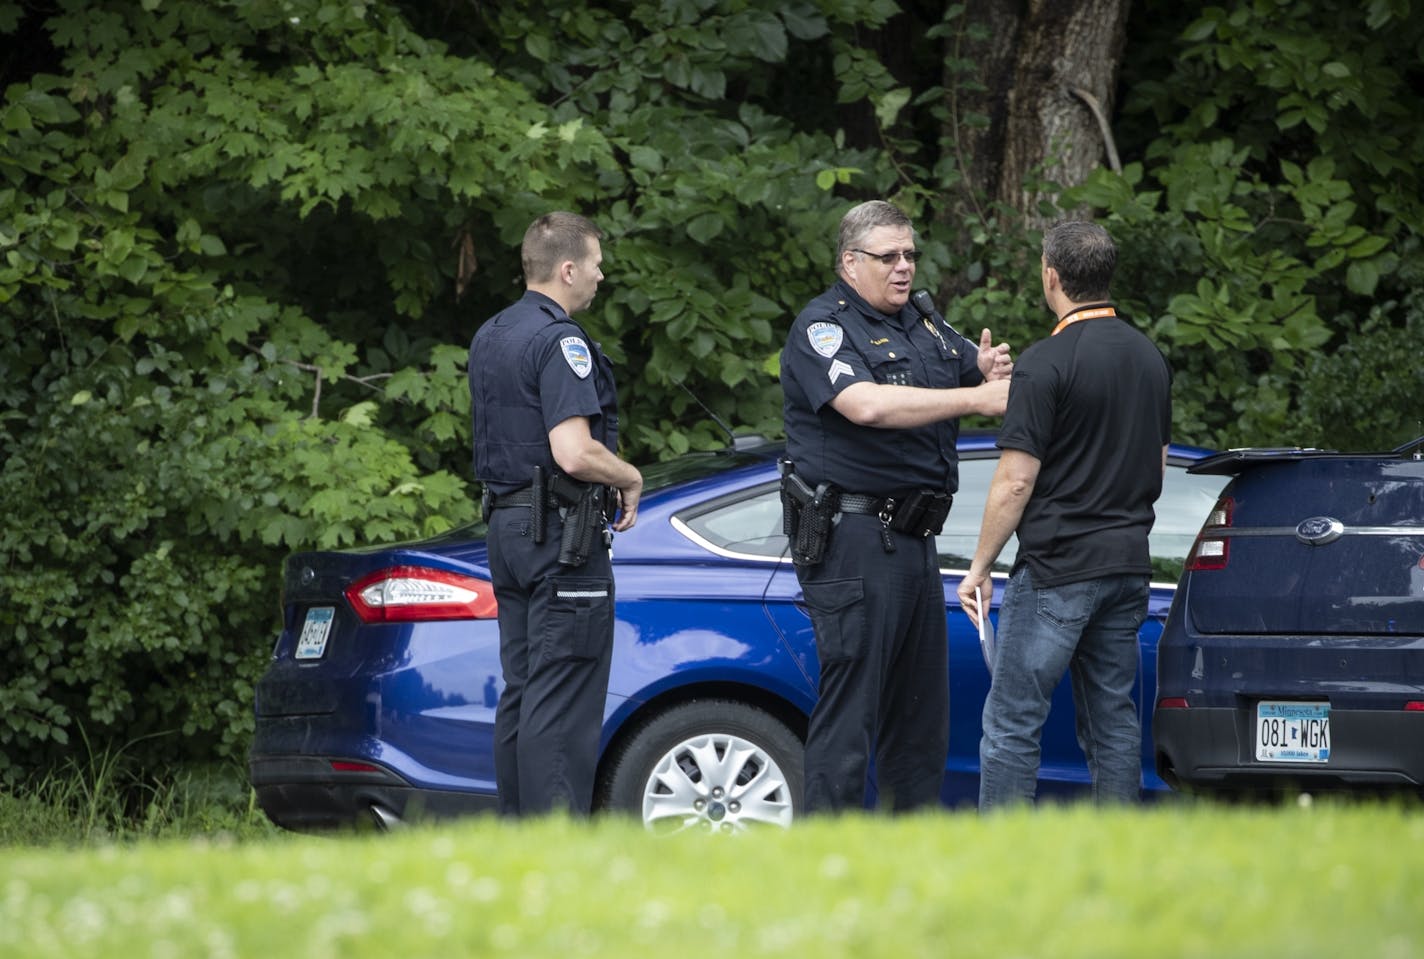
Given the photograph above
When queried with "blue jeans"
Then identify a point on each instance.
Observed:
(1090, 628)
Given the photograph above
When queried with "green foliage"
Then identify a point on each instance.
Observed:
(1274, 209)
(1366, 393)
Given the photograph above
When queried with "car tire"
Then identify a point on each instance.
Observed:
(711, 765)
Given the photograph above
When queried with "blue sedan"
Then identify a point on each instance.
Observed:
(379, 703)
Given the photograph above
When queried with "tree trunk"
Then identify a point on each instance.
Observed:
(1031, 60)
(980, 146)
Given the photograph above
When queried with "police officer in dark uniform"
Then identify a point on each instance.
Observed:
(545, 416)
(874, 386)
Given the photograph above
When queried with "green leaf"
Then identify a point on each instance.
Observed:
(1200, 29)
(646, 158)
(708, 82)
(117, 246)
(803, 21)
(359, 414)
(540, 46)
(768, 39)
(889, 104)
(15, 118)
(133, 269)
(705, 227)
(1368, 246)
(1362, 276)
(64, 234)
(128, 173)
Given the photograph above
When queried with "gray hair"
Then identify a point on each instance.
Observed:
(861, 219)
(1084, 256)
(553, 239)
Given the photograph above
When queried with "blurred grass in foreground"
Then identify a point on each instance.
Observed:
(1190, 880)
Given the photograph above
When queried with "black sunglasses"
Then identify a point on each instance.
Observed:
(890, 259)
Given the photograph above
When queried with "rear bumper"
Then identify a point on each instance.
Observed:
(1212, 748)
(306, 794)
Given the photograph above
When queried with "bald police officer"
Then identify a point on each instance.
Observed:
(545, 417)
(873, 391)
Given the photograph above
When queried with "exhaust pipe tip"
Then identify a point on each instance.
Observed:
(386, 820)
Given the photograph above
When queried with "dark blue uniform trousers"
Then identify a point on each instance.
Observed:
(884, 691)
(555, 648)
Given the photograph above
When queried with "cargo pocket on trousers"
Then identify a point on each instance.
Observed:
(580, 621)
(838, 613)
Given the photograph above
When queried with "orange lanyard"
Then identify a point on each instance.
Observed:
(1074, 317)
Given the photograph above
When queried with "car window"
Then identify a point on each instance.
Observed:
(1181, 509)
(749, 524)
(1183, 506)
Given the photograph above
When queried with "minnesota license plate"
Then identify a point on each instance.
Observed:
(1292, 732)
(312, 643)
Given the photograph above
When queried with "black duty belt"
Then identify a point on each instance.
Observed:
(560, 492)
(918, 512)
(860, 503)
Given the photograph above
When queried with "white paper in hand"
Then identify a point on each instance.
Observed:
(986, 629)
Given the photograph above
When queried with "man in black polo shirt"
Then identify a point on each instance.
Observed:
(874, 389)
(542, 398)
(1085, 447)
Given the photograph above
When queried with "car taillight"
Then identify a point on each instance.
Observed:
(1212, 551)
(1414, 706)
(1172, 702)
(349, 766)
(407, 594)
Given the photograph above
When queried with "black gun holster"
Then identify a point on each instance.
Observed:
(585, 525)
(807, 515)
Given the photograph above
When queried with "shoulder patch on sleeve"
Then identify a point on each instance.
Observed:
(577, 355)
(826, 338)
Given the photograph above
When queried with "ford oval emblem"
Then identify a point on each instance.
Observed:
(1319, 530)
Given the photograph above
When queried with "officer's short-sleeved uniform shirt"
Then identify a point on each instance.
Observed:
(532, 367)
(839, 339)
(1092, 404)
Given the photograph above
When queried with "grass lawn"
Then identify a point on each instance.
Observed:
(1339, 881)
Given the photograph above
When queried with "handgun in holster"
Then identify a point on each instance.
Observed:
(790, 509)
(809, 529)
(585, 524)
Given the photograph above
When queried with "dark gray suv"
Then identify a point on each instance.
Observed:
(1293, 654)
